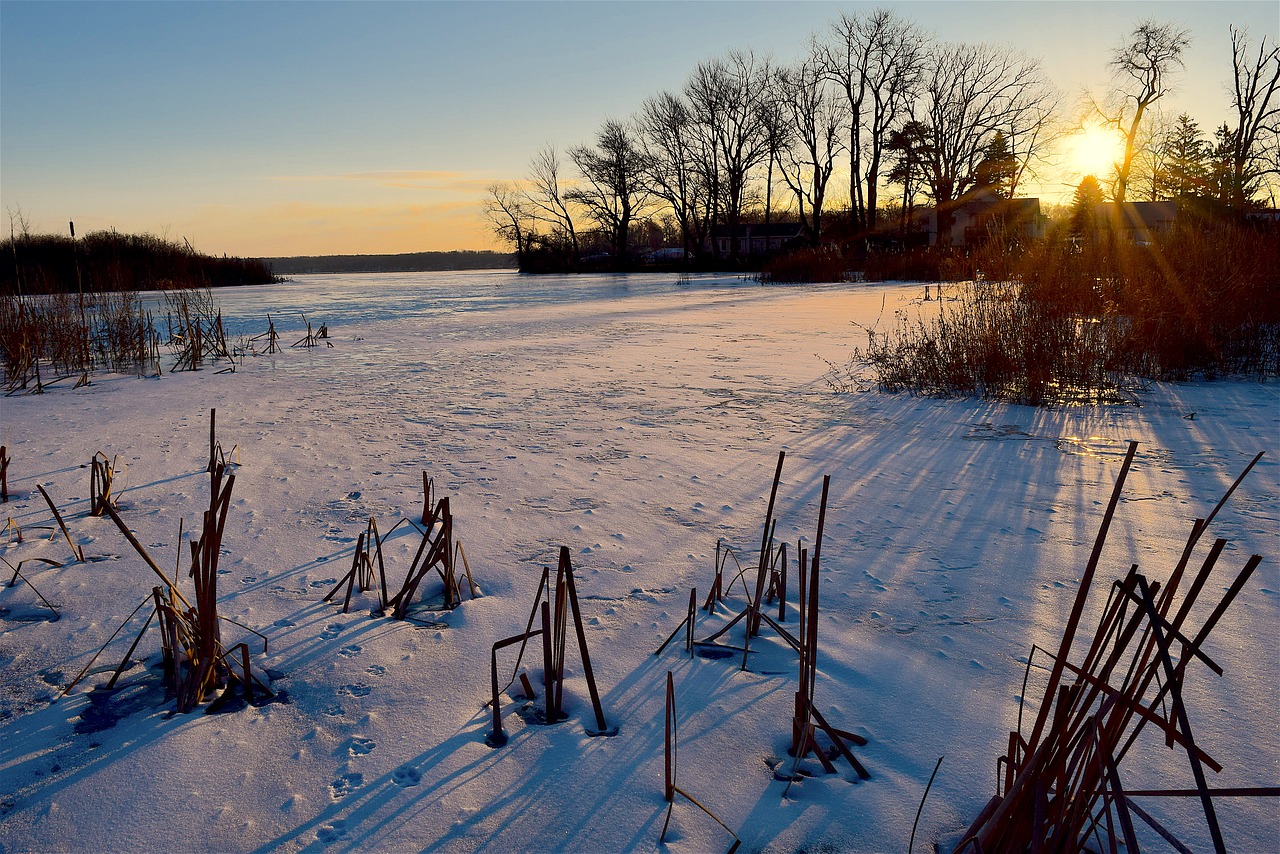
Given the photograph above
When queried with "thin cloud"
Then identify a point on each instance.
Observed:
(400, 179)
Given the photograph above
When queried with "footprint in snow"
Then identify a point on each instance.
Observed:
(323, 583)
(345, 785)
(331, 631)
(350, 651)
(284, 623)
(406, 775)
(376, 670)
(332, 832)
(361, 746)
(355, 690)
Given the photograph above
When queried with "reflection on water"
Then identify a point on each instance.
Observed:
(339, 299)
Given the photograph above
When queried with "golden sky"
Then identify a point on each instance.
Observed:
(274, 128)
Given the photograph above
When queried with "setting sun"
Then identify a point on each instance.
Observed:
(1095, 150)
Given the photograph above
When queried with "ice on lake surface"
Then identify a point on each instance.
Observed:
(359, 298)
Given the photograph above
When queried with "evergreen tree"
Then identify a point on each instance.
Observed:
(1219, 164)
(1186, 171)
(1084, 206)
(909, 152)
(997, 167)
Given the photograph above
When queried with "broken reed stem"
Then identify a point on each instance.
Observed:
(1077, 609)
(687, 624)
(124, 662)
(1180, 711)
(920, 809)
(102, 474)
(669, 743)
(76, 550)
(766, 537)
(119, 628)
(670, 786)
(1065, 786)
(174, 592)
(17, 573)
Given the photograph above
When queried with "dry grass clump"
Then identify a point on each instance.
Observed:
(988, 341)
(44, 339)
(824, 264)
(1072, 323)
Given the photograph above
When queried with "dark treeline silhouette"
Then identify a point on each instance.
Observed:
(109, 261)
(881, 139)
(410, 262)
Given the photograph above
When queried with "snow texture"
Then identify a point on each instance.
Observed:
(636, 420)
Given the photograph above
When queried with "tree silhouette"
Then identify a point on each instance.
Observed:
(1185, 170)
(997, 168)
(1141, 66)
(1084, 206)
(614, 190)
(1256, 139)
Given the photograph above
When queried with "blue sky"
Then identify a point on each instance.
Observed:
(274, 128)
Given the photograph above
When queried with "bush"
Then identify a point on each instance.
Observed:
(1078, 323)
(824, 264)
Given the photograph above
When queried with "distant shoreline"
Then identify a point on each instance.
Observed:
(411, 262)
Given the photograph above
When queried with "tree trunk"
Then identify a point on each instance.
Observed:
(873, 175)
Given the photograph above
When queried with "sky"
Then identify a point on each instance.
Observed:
(304, 128)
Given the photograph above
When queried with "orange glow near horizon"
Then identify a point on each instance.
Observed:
(1095, 150)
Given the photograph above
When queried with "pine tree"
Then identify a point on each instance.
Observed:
(909, 153)
(1186, 172)
(1083, 207)
(997, 168)
(1218, 171)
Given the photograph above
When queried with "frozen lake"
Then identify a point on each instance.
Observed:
(636, 421)
(346, 299)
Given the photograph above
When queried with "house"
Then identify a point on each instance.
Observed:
(1138, 223)
(1264, 215)
(979, 214)
(755, 238)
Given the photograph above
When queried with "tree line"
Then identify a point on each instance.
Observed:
(905, 117)
(405, 262)
(104, 261)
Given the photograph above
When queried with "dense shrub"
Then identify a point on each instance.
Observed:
(1072, 322)
(824, 264)
(109, 261)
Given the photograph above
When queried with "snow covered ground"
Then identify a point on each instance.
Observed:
(635, 420)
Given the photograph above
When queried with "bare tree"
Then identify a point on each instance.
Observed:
(1034, 134)
(726, 96)
(814, 117)
(1148, 171)
(1257, 131)
(614, 193)
(779, 136)
(19, 222)
(547, 201)
(504, 209)
(877, 60)
(1141, 66)
(972, 92)
(672, 143)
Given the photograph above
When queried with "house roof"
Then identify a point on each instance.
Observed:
(1139, 215)
(984, 200)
